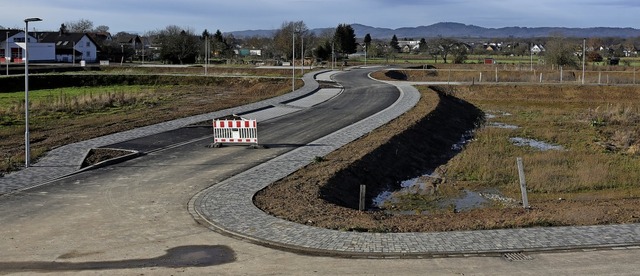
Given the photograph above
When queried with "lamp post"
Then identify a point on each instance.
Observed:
(27, 152)
(584, 45)
(293, 60)
(6, 48)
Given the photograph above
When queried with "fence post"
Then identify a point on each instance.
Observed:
(496, 74)
(480, 79)
(523, 183)
(561, 73)
(361, 205)
(540, 77)
(599, 77)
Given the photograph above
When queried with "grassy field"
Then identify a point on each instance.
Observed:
(598, 127)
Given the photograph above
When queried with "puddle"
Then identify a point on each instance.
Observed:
(522, 142)
(492, 114)
(469, 200)
(465, 139)
(502, 125)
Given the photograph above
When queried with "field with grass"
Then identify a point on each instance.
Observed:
(596, 129)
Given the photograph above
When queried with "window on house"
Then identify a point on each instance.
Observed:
(88, 54)
(88, 43)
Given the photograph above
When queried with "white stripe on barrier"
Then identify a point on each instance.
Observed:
(235, 131)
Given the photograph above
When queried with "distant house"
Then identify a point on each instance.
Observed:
(8, 49)
(407, 46)
(131, 41)
(72, 47)
(537, 49)
(12, 44)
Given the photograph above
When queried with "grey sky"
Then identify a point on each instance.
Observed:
(236, 15)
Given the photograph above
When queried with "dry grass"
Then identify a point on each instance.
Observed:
(597, 126)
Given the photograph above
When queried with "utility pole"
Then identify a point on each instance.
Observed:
(584, 44)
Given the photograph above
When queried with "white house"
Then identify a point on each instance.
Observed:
(536, 49)
(409, 45)
(12, 44)
(72, 46)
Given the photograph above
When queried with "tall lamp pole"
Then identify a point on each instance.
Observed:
(6, 49)
(27, 152)
(293, 60)
(584, 45)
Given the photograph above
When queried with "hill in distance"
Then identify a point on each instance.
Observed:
(458, 30)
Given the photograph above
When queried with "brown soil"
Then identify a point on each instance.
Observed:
(324, 194)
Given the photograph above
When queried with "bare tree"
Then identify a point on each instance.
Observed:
(283, 38)
(562, 52)
(79, 26)
(102, 29)
(178, 45)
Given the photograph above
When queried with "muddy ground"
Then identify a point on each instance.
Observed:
(325, 193)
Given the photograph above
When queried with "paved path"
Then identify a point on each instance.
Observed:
(67, 159)
(228, 207)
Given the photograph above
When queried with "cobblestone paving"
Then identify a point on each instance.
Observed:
(228, 208)
(67, 159)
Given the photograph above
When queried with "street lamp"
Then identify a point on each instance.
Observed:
(293, 61)
(584, 46)
(27, 155)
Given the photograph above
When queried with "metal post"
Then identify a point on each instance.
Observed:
(302, 54)
(73, 52)
(6, 48)
(584, 45)
(531, 54)
(363, 192)
(206, 54)
(365, 55)
(293, 61)
(523, 183)
(27, 151)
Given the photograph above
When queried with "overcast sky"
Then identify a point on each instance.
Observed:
(236, 15)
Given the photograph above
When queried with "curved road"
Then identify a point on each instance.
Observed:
(131, 218)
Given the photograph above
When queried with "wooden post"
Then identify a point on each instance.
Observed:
(496, 74)
(523, 183)
(363, 189)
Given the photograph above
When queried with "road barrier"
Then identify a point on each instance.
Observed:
(236, 131)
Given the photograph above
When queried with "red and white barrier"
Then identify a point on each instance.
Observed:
(242, 131)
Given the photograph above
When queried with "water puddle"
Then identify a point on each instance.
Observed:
(489, 115)
(502, 125)
(525, 142)
(463, 201)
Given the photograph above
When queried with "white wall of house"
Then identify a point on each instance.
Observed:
(88, 49)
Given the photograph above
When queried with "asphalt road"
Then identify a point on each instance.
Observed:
(132, 218)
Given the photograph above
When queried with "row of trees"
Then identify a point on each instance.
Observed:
(183, 45)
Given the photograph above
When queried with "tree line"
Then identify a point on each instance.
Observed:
(180, 45)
